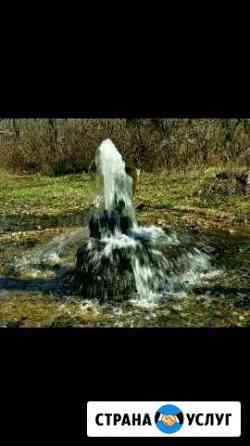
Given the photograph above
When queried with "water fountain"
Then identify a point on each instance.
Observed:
(123, 261)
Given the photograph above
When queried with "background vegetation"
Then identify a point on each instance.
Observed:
(61, 146)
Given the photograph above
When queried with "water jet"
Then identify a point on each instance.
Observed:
(124, 261)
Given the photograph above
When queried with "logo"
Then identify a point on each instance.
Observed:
(169, 419)
(163, 418)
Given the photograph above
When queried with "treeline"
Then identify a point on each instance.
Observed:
(61, 146)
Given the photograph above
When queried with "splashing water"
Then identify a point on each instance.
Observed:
(116, 184)
(53, 254)
(120, 260)
(137, 263)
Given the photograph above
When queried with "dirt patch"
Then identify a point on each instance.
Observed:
(225, 184)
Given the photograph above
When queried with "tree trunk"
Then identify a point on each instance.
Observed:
(53, 132)
(16, 129)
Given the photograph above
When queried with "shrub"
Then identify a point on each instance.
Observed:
(61, 146)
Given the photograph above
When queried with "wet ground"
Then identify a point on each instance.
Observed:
(21, 222)
(37, 255)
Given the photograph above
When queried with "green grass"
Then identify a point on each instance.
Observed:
(45, 195)
(181, 191)
(42, 195)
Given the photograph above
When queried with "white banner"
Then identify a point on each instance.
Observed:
(161, 419)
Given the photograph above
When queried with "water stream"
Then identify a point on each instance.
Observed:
(123, 260)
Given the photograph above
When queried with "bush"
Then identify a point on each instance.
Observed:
(62, 146)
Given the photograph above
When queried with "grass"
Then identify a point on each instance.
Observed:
(38, 196)
(181, 191)
(42, 195)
